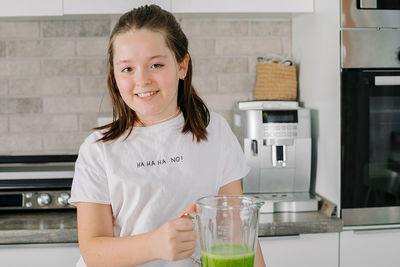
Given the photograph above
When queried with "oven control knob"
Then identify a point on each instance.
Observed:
(63, 199)
(43, 199)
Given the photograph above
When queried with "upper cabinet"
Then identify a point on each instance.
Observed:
(242, 6)
(74, 7)
(20, 8)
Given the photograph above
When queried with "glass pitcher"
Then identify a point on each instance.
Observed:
(228, 230)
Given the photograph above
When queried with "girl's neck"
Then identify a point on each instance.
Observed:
(145, 123)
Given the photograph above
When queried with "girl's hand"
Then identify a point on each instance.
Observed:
(176, 239)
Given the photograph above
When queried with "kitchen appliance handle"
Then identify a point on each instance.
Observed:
(376, 231)
(368, 3)
(281, 237)
(387, 80)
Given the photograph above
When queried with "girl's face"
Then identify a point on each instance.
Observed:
(147, 74)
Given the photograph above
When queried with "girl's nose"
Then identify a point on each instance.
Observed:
(142, 77)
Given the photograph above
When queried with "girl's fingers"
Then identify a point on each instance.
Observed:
(184, 224)
(185, 254)
(191, 208)
(187, 236)
(187, 246)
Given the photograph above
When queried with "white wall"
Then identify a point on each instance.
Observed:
(316, 48)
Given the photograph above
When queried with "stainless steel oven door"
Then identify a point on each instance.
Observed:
(370, 127)
(370, 14)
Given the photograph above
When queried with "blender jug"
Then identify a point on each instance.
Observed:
(228, 230)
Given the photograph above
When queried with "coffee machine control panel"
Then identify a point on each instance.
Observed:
(280, 123)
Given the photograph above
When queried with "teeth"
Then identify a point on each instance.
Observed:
(147, 94)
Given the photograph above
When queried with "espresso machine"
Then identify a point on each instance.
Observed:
(276, 140)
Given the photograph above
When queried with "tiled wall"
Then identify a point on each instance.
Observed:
(53, 74)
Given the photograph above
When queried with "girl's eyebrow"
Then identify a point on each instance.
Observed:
(158, 56)
(122, 61)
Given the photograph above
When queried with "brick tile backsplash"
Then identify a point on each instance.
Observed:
(20, 105)
(19, 67)
(76, 28)
(93, 85)
(92, 47)
(3, 87)
(224, 101)
(74, 104)
(248, 47)
(88, 121)
(29, 143)
(270, 28)
(236, 82)
(45, 86)
(41, 48)
(201, 47)
(2, 49)
(79, 66)
(64, 141)
(3, 124)
(214, 27)
(205, 83)
(53, 73)
(220, 65)
(43, 123)
(19, 29)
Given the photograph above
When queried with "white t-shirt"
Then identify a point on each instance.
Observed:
(157, 172)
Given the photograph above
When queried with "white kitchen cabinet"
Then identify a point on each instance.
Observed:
(43, 255)
(72, 7)
(370, 248)
(13, 8)
(241, 6)
(311, 250)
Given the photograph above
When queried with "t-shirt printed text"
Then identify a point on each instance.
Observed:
(151, 163)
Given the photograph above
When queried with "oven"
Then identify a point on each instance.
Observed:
(36, 182)
(370, 112)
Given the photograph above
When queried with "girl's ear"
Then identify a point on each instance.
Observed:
(183, 67)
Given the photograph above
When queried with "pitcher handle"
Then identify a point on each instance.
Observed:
(193, 258)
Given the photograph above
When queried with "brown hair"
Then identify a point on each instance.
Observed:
(195, 112)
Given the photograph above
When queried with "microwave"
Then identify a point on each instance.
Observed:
(370, 13)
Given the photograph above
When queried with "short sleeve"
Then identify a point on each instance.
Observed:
(233, 164)
(90, 182)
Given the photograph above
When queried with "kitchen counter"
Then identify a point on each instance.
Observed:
(294, 223)
(38, 227)
(60, 226)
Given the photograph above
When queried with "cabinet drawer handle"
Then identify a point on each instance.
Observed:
(280, 237)
(376, 231)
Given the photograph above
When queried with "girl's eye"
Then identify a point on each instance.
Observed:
(127, 69)
(156, 66)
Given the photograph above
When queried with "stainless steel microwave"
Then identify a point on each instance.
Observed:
(370, 13)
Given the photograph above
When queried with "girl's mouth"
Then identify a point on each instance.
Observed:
(147, 94)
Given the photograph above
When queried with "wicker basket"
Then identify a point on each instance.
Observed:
(276, 82)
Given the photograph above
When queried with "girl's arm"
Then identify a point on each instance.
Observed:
(235, 188)
(173, 241)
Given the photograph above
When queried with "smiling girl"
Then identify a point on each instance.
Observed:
(136, 176)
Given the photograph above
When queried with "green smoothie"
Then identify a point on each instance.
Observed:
(228, 255)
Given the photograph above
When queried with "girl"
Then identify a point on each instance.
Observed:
(162, 151)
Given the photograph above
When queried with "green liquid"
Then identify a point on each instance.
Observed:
(228, 255)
